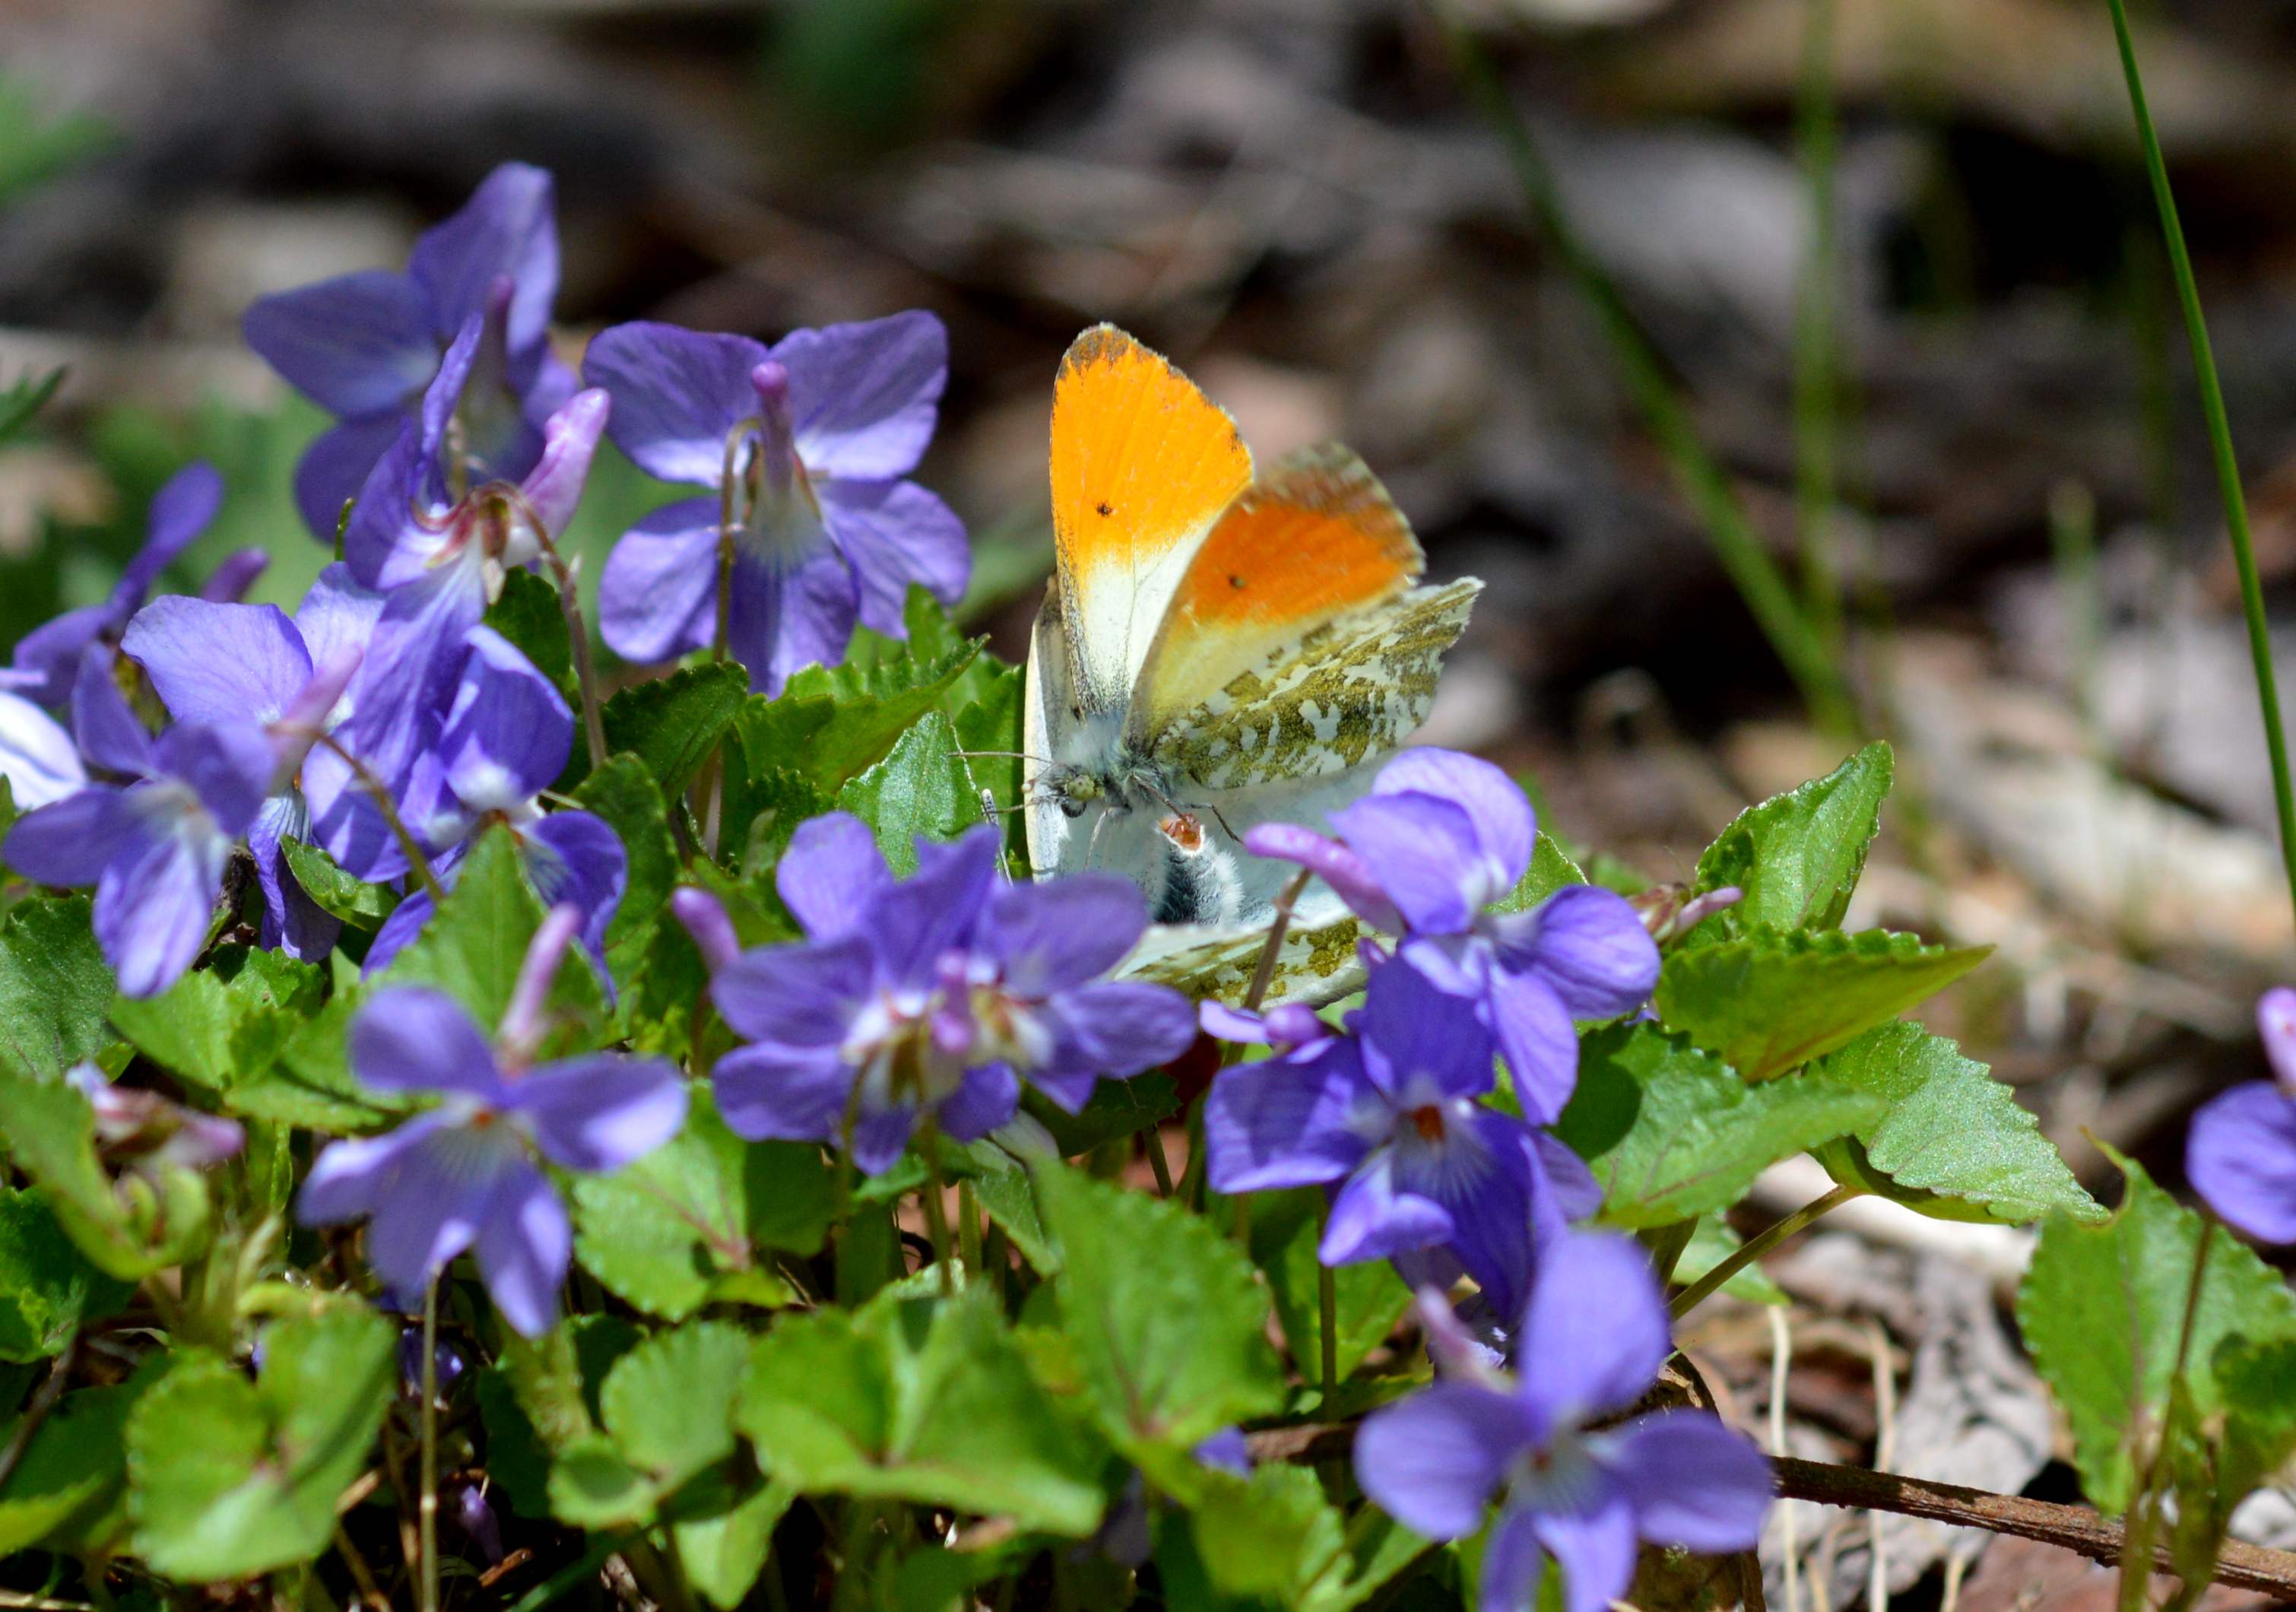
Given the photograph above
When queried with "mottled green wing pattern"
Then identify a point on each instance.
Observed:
(1317, 965)
(1350, 689)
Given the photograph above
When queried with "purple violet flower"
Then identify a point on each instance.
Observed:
(2240, 1154)
(436, 538)
(935, 994)
(224, 664)
(37, 757)
(1387, 1115)
(47, 659)
(504, 740)
(154, 849)
(466, 1173)
(1593, 1337)
(1031, 984)
(1441, 836)
(805, 446)
(365, 346)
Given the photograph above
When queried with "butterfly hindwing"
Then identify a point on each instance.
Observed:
(1347, 693)
(1142, 464)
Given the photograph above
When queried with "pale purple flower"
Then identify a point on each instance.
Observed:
(465, 1175)
(435, 540)
(155, 849)
(365, 346)
(936, 994)
(852, 1036)
(1439, 838)
(36, 756)
(144, 1130)
(503, 741)
(1386, 1116)
(47, 659)
(2241, 1152)
(1035, 998)
(805, 446)
(1593, 1337)
(224, 664)
(705, 918)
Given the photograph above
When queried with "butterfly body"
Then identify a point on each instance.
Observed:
(1214, 651)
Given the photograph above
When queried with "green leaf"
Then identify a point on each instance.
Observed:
(922, 1399)
(361, 905)
(141, 1224)
(670, 724)
(592, 1484)
(668, 1404)
(474, 945)
(694, 1220)
(723, 1550)
(1168, 1319)
(1953, 1142)
(48, 1289)
(557, 1380)
(1767, 1002)
(1116, 1109)
(228, 1022)
(1286, 1227)
(68, 1489)
(26, 396)
(1010, 1198)
(1798, 855)
(1261, 1536)
(55, 986)
(2103, 1311)
(831, 724)
(311, 1083)
(37, 142)
(528, 614)
(920, 789)
(990, 723)
(1550, 870)
(624, 795)
(229, 1478)
(1670, 1131)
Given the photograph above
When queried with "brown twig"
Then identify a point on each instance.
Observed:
(2074, 1528)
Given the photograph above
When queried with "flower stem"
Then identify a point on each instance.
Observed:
(578, 638)
(1158, 1165)
(2235, 504)
(408, 846)
(1264, 975)
(427, 1508)
(1327, 1326)
(1746, 1252)
(968, 1229)
(928, 1197)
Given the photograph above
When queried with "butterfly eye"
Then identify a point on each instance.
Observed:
(1184, 830)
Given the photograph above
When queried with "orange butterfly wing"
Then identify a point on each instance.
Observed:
(1142, 464)
(1317, 540)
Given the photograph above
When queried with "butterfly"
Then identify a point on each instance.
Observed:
(1214, 650)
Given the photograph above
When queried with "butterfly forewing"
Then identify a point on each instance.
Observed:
(1317, 541)
(1142, 464)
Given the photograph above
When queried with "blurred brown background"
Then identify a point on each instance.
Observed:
(1296, 200)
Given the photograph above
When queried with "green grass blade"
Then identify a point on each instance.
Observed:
(2235, 504)
(1816, 361)
(1764, 589)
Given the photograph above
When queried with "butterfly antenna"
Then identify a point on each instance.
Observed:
(1016, 755)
